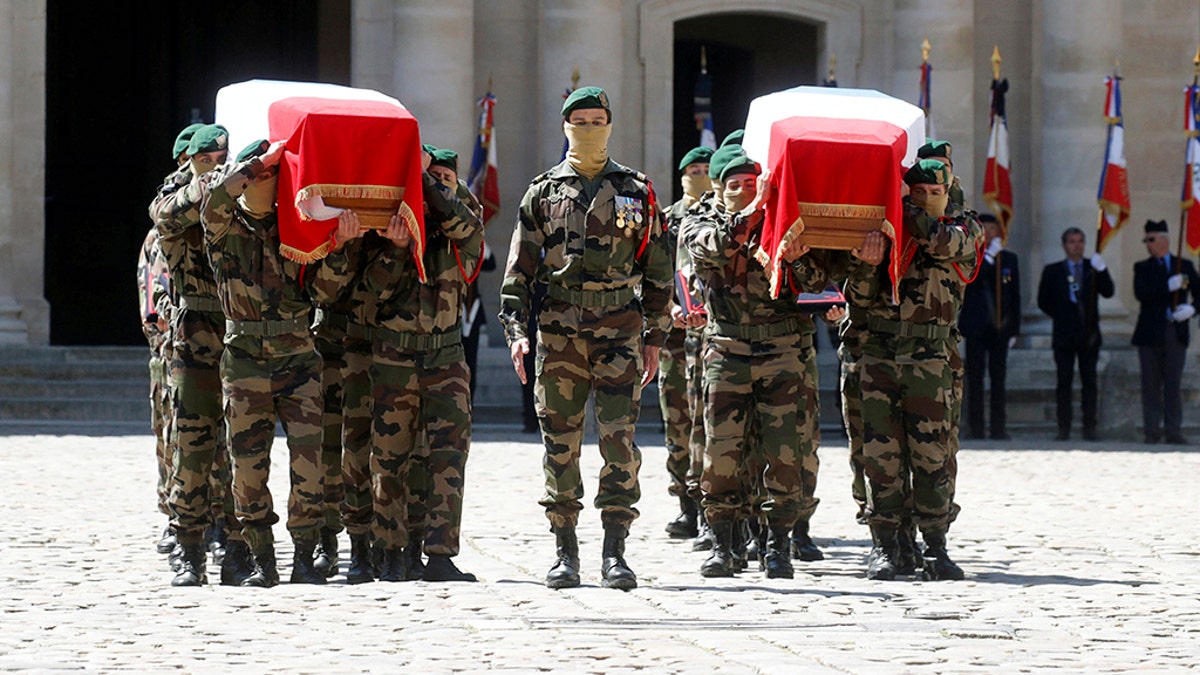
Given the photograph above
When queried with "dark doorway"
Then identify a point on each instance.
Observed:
(748, 55)
(121, 80)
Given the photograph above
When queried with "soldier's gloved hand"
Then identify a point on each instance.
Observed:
(1183, 313)
(1098, 263)
(1175, 282)
(518, 350)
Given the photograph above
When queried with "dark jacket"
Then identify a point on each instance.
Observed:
(978, 316)
(1150, 288)
(1075, 324)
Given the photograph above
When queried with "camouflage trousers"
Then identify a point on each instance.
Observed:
(358, 505)
(567, 370)
(415, 392)
(768, 389)
(328, 341)
(676, 413)
(851, 391)
(258, 393)
(908, 449)
(199, 493)
(694, 351)
(160, 423)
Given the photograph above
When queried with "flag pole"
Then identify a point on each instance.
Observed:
(926, 96)
(996, 78)
(1183, 224)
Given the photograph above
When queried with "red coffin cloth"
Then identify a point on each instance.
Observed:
(834, 167)
(345, 149)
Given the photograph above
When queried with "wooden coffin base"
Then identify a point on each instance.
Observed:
(373, 213)
(837, 233)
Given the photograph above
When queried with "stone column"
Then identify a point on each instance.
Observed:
(24, 312)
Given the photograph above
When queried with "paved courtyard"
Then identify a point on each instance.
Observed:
(1084, 560)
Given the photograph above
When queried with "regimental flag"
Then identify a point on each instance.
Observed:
(997, 181)
(702, 104)
(925, 99)
(1113, 195)
(482, 178)
(1191, 171)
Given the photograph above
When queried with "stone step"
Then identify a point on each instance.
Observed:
(95, 409)
(34, 387)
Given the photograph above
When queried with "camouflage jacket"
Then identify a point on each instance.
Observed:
(594, 257)
(738, 292)
(176, 215)
(154, 287)
(923, 324)
(266, 297)
(453, 248)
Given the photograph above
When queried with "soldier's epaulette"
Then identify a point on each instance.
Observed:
(541, 177)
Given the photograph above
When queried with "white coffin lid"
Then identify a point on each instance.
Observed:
(242, 107)
(830, 102)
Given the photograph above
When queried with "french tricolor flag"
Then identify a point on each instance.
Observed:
(482, 178)
(997, 181)
(1191, 172)
(1113, 195)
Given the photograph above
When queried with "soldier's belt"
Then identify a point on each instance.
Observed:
(360, 331)
(615, 297)
(905, 329)
(420, 342)
(335, 320)
(267, 328)
(199, 304)
(760, 332)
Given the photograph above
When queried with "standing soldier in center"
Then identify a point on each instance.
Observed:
(598, 226)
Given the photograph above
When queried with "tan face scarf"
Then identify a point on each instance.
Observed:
(587, 147)
(258, 201)
(200, 168)
(694, 187)
(933, 205)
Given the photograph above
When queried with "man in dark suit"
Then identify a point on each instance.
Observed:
(1068, 293)
(1162, 283)
(989, 333)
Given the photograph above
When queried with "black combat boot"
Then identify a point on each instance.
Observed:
(326, 561)
(416, 565)
(739, 546)
(938, 565)
(614, 570)
(303, 571)
(778, 559)
(173, 558)
(684, 525)
(705, 539)
(394, 566)
(442, 568)
(166, 543)
(720, 562)
(883, 561)
(565, 572)
(755, 537)
(910, 556)
(803, 547)
(215, 540)
(191, 566)
(237, 565)
(265, 574)
(361, 571)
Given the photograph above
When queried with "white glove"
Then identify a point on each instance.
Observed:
(1183, 313)
(993, 250)
(1012, 342)
(1174, 282)
(1098, 263)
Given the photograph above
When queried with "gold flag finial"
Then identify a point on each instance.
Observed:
(575, 78)
(1196, 61)
(832, 67)
(925, 49)
(996, 62)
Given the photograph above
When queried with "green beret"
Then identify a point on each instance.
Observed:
(928, 171)
(208, 138)
(734, 137)
(256, 149)
(429, 149)
(181, 141)
(586, 97)
(935, 149)
(446, 158)
(696, 155)
(729, 160)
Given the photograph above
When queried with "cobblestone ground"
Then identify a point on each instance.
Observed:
(1084, 560)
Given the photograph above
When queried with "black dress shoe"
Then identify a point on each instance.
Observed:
(1175, 439)
(1090, 435)
(1001, 436)
(1151, 438)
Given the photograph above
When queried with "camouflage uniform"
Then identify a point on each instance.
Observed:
(270, 370)
(759, 369)
(154, 302)
(329, 335)
(908, 378)
(592, 325)
(200, 461)
(673, 378)
(419, 376)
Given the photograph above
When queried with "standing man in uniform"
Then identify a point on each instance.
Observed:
(590, 229)
(1162, 284)
(907, 381)
(154, 306)
(673, 383)
(989, 322)
(1068, 293)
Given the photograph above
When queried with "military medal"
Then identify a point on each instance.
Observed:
(629, 212)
